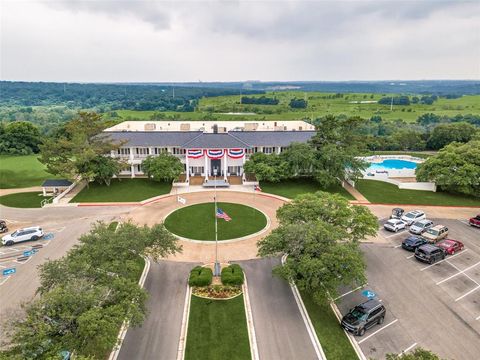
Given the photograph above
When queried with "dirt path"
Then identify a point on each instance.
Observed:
(20, 190)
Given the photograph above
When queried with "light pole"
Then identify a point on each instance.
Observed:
(216, 270)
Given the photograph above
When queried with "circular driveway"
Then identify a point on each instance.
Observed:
(205, 251)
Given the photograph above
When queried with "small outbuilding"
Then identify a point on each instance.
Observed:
(55, 186)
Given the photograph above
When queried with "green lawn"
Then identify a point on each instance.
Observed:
(292, 188)
(21, 171)
(217, 330)
(22, 200)
(384, 193)
(334, 342)
(198, 221)
(122, 190)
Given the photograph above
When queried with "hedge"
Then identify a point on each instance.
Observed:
(200, 276)
(232, 275)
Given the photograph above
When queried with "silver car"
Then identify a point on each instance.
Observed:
(412, 216)
(419, 227)
(394, 225)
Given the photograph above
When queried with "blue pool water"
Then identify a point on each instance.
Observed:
(392, 164)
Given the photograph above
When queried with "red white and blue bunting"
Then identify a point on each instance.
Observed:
(215, 153)
(236, 153)
(195, 153)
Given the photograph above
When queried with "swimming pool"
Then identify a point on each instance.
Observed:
(392, 164)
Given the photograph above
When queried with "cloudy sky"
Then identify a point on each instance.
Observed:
(147, 41)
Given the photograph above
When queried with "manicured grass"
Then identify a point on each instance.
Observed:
(292, 188)
(217, 330)
(23, 200)
(198, 221)
(334, 342)
(122, 190)
(21, 171)
(384, 193)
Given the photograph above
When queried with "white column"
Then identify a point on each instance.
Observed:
(206, 166)
(151, 151)
(44, 191)
(186, 165)
(131, 153)
(225, 164)
(132, 169)
(278, 150)
(244, 159)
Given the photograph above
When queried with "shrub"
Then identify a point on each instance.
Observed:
(200, 276)
(232, 275)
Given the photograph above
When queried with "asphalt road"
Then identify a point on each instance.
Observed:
(158, 336)
(280, 330)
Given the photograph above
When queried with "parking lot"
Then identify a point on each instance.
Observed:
(433, 306)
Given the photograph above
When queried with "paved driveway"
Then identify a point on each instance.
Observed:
(280, 330)
(158, 337)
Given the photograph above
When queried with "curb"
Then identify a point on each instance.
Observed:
(252, 337)
(355, 345)
(306, 319)
(184, 329)
(426, 205)
(124, 328)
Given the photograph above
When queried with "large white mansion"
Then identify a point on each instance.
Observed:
(206, 148)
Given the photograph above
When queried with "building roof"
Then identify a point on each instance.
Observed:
(56, 183)
(273, 138)
(151, 138)
(220, 140)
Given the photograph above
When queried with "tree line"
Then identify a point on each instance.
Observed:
(262, 100)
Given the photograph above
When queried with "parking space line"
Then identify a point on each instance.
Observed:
(409, 348)
(4, 280)
(478, 318)
(465, 222)
(397, 246)
(409, 257)
(351, 291)
(451, 257)
(3, 267)
(375, 332)
(23, 262)
(468, 293)
(395, 234)
(459, 272)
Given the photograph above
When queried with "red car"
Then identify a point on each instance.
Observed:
(475, 221)
(450, 246)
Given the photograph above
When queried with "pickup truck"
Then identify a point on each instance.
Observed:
(475, 221)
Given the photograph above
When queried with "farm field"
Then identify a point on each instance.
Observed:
(21, 171)
(319, 104)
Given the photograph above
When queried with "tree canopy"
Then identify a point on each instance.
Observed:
(164, 167)
(456, 168)
(320, 233)
(417, 354)
(19, 138)
(444, 134)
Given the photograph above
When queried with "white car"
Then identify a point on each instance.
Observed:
(413, 216)
(30, 233)
(394, 225)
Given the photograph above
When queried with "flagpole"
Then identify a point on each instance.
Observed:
(217, 265)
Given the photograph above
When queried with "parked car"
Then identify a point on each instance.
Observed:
(412, 216)
(475, 221)
(3, 226)
(436, 233)
(30, 233)
(429, 253)
(412, 242)
(397, 213)
(420, 226)
(451, 246)
(362, 317)
(394, 225)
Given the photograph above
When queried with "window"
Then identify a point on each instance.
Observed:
(196, 170)
(142, 151)
(123, 151)
(160, 150)
(375, 312)
(178, 151)
(235, 170)
(251, 150)
(138, 168)
(268, 150)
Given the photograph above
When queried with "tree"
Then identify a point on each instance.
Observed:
(76, 150)
(427, 119)
(456, 168)
(299, 158)
(408, 140)
(417, 354)
(445, 134)
(320, 233)
(19, 138)
(298, 103)
(271, 168)
(164, 167)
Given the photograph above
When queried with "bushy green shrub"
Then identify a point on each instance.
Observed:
(200, 276)
(232, 275)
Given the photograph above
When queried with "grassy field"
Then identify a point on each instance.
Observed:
(334, 342)
(385, 193)
(217, 330)
(198, 221)
(217, 108)
(21, 171)
(23, 200)
(123, 190)
(293, 188)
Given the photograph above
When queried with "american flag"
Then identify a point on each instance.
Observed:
(257, 188)
(223, 215)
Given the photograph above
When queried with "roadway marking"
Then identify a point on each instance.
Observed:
(3, 267)
(395, 234)
(451, 257)
(376, 332)
(468, 293)
(23, 262)
(409, 257)
(397, 246)
(478, 317)
(459, 272)
(351, 291)
(5, 280)
(409, 348)
(465, 222)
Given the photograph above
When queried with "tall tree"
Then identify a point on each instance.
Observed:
(271, 168)
(164, 167)
(19, 138)
(320, 233)
(445, 134)
(300, 158)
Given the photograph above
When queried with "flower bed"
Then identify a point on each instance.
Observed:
(217, 291)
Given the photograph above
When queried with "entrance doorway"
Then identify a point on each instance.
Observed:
(216, 164)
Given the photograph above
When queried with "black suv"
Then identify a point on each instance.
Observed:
(413, 242)
(429, 253)
(364, 316)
